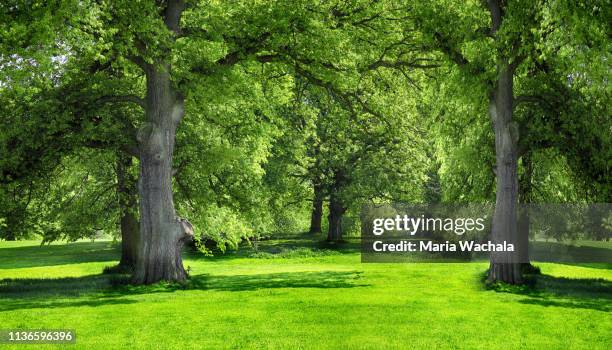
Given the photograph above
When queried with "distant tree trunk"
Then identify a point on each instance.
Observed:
(12, 222)
(336, 209)
(127, 191)
(9, 236)
(16, 218)
(317, 210)
(523, 219)
(163, 234)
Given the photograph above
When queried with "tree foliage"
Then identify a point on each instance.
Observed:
(247, 116)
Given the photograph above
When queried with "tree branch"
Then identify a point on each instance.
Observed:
(401, 64)
(122, 99)
(172, 15)
(249, 49)
(451, 51)
(496, 12)
(128, 149)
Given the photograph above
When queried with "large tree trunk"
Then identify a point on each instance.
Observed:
(505, 266)
(317, 210)
(163, 234)
(127, 191)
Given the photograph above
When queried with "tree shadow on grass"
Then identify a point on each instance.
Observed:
(322, 279)
(21, 304)
(294, 246)
(58, 254)
(577, 293)
(61, 287)
(100, 290)
(237, 283)
(30, 293)
(595, 265)
(568, 253)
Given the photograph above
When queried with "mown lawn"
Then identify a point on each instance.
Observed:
(301, 299)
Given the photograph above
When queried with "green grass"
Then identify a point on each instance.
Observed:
(296, 294)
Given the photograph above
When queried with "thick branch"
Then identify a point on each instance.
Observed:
(137, 60)
(248, 49)
(495, 9)
(172, 15)
(233, 57)
(452, 52)
(267, 58)
(128, 149)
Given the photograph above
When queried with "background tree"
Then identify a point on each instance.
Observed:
(353, 157)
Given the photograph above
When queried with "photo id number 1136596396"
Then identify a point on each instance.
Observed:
(37, 336)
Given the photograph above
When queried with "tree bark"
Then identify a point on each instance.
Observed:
(163, 234)
(336, 209)
(523, 219)
(128, 205)
(11, 226)
(9, 236)
(317, 210)
(504, 266)
(16, 221)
